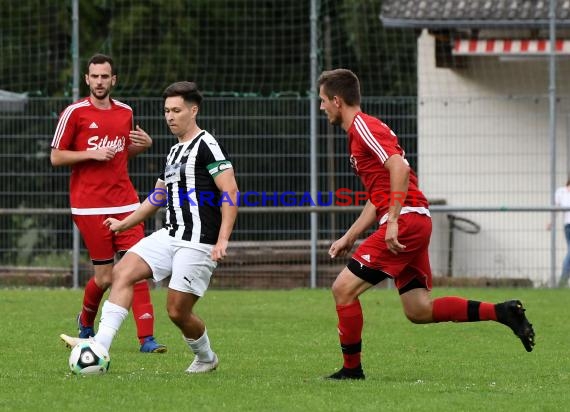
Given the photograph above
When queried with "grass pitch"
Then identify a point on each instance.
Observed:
(276, 346)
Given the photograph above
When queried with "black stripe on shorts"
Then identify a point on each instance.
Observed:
(413, 284)
(372, 276)
(103, 262)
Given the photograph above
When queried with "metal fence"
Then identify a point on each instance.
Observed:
(268, 140)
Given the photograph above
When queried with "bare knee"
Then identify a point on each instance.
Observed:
(120, 276)
(338, 290)
(103, 276)
(104, 283)
(419, 315)
(418, 306)
(176, 314)
(343, 295)
(180, 309)
(347, 287)
(130, 270)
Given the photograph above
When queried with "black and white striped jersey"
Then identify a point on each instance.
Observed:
(193, 204)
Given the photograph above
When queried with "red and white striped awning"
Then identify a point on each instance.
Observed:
(508, 47)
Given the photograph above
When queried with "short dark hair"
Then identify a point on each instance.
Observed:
(342, 83)
(187, 90)
(101, 59)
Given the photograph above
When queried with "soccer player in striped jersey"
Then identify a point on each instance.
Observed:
(398, 249)
(95, 136)
(199, 190)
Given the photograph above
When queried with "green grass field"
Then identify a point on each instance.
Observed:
(274, 349)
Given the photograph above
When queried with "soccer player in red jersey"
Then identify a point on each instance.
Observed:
(95, 137)
(399, 247)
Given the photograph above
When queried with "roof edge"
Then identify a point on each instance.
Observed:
(450, 24)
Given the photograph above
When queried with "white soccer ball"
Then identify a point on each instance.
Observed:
(89, 358)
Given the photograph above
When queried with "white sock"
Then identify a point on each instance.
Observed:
(112, 316)
(201, 347)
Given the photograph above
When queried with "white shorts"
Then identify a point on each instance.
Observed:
(188, 264)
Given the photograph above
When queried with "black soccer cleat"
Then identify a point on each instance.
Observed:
(511, 314)
(348, 373)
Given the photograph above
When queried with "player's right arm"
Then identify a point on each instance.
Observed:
(366, 219)
(149, 207)
(65, 133)
(70, 157)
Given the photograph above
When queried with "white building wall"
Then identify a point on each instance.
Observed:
(483, 140)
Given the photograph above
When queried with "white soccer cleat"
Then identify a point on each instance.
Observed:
(72, 341)
(198, 366)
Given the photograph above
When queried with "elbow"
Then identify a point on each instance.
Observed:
(233, 196)
(54, 159)
(230, 189)
(133, 150)
(234, 190)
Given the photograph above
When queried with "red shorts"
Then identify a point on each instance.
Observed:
(101, 243)
(414, 232)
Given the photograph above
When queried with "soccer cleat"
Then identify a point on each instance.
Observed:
(198, 366)
(150, 346)
(72, 341)
(84, 331)
(511, 314)
(348, 373)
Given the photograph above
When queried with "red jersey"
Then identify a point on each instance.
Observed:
(98, 187)
(371, 143)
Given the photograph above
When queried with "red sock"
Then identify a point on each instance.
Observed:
(143, 311)
(350, 322)
(455, 309)
(487, 311)
(91, 299)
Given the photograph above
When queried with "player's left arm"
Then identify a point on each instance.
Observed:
(226, 183)
(399, 170)
(149, 207)
(140, 141)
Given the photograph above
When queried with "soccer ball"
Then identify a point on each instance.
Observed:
(89, 358)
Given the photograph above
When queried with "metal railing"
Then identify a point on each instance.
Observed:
(321, 239)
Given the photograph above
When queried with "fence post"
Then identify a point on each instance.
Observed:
(75, 96)
(313, 144)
